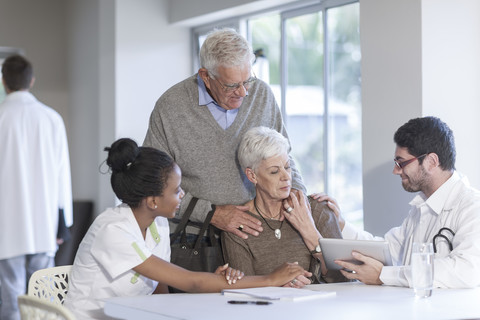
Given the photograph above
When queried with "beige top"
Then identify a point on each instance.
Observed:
(263, 254)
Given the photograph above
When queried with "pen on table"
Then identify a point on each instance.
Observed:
(260, 303)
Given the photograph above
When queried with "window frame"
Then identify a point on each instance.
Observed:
(286, 12)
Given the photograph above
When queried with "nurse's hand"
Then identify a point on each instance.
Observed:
(230, 274)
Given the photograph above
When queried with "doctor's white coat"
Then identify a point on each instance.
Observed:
(34, 176)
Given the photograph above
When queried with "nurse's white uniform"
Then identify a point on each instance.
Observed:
(103, 265)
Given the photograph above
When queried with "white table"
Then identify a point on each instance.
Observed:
(352, 301)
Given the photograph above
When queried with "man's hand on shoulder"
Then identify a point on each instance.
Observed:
(333, 205)
(233, 219)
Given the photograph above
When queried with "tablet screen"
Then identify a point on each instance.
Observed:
(341, 249)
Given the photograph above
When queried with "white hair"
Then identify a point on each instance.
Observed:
(227, 48)
(258, 144)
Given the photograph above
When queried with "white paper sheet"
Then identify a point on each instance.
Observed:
(278, 293)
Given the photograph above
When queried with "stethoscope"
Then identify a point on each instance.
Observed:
(443, 236)
(440, 234)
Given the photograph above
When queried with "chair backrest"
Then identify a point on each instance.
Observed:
(50, 284)
(33, 308)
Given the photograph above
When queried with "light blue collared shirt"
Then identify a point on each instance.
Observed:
(223, 117)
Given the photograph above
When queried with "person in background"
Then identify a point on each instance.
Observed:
(126, 251)
(445, 212)
(293, 229)
(199, 122)
(35, 183)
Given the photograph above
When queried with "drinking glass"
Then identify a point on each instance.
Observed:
(422, 269)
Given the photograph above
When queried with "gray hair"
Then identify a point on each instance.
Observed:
(225, 47)
(258, 144)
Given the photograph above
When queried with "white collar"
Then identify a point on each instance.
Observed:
(437, 200)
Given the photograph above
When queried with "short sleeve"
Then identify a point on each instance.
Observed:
(118, 250)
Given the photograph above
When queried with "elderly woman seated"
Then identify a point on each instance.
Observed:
(292, 224)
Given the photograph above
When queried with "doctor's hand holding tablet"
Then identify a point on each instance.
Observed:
(361, 260)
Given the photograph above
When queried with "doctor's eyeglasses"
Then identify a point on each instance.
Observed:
(401, 165)
(441, 235)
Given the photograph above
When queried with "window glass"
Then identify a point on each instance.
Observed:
(304, 102)
(344, 110)
(313, 55)
(265, 37)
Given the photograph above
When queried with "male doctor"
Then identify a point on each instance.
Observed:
(425, 161)
(34, 183)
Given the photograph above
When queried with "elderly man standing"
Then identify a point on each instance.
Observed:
(200, 121)
(34, 183)
(425, 162)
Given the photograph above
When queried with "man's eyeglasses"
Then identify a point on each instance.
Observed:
(229, 88)
(402, 164)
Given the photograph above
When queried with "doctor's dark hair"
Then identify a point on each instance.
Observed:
(428, 135)
(17, 72)
(137, 172)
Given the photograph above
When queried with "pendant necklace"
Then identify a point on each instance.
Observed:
(278, 232)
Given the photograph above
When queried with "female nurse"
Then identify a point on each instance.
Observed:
(126, 250)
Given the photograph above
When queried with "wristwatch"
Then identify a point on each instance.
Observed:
(316, 250)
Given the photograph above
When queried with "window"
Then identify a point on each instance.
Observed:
(311, 58)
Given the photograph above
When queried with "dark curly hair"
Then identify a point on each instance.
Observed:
(428, 135)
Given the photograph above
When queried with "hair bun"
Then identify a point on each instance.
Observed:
(122, 154)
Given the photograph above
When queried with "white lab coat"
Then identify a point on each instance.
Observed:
(102, 269)
(34, 176)
(455, 205)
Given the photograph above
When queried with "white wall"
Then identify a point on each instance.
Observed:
(124, 56)
(151, 56)
(451, 74)
(106, 106)
(83, 47)
(34, 27)
(419, 57)
(102, 64)
(391, 94)
(195, 13)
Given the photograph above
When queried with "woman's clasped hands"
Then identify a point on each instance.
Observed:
(291, 274)
(231, 275)
(299, 282)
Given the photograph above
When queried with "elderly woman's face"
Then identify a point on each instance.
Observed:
(274, 177)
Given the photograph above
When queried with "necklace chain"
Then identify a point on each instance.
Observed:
(260, 213)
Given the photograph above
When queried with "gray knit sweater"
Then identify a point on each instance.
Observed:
(205, 152)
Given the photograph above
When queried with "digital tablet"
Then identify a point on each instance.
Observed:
(341, 249)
